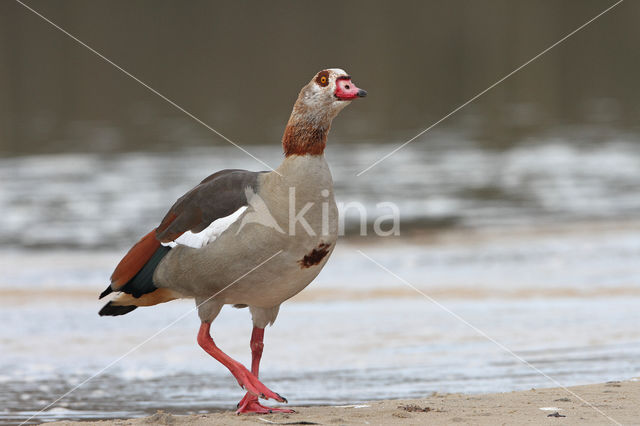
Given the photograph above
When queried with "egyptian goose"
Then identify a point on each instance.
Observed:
(249, 239)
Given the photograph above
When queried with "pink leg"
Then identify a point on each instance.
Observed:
(245, 379)
(250, 404)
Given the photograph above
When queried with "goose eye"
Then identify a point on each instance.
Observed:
(323, 78)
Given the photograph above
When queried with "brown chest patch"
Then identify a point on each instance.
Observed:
(315, 256)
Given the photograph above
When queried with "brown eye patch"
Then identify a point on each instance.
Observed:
(323, 78)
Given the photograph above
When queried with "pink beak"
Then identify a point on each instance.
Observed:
(346, 90)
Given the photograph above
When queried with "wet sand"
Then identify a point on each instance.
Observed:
(617, 402)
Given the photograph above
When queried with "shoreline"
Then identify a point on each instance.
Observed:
(611, 402)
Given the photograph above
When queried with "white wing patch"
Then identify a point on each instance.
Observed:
(209, 234)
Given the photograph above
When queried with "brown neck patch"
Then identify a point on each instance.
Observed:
(304, 139)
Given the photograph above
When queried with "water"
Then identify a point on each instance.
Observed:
(537, 246)
(241, 76)
(101, 201)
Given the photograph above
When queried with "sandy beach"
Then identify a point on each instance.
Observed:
(612, 402)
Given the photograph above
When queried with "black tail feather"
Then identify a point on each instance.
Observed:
(141, 283)
(112, 310)
(106, 292)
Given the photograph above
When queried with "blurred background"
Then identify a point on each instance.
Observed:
(519, 212)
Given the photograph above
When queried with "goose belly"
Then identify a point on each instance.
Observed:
(250, 263)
